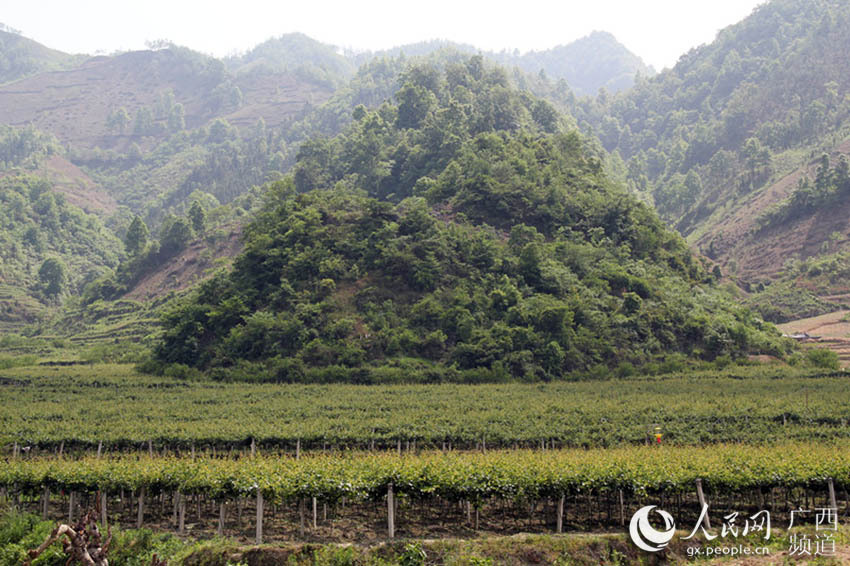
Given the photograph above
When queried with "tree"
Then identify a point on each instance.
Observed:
(52, 276)
(359, 112)
(137, 236)
(755, 156)
(144, 122)
(414, 104)
(177, 118)
(118, 119)
(198, 217)
(221, 131)
(176, 233)
(545, 115)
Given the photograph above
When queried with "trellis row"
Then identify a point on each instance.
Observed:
(462, 477)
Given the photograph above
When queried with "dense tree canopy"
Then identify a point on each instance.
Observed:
(46, 244)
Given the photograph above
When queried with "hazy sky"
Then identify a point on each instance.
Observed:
(657, 30)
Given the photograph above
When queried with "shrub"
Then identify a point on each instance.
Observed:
(822, 358)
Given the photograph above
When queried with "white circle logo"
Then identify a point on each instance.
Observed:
(645, 536)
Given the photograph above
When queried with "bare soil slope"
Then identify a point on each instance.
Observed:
(188, 267)
(759, 256)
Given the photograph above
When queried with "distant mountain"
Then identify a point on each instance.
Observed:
(728, 143)
(587, 64)
(21, 57)
(155, 92)
(298, 54)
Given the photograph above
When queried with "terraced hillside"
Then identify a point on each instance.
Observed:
(75, 104)
(831, 331)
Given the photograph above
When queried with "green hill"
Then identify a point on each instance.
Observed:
(49, 249)
(723, 142)
(587, 64)
(460, 234)
(21, 57)
(299, 54)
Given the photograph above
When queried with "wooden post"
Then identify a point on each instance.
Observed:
(103, 515)
(259, 516)
(297, 448)
(399, 446)
(150, 448)
(560, 514)
(99, 448)
(221, 518)
(253, 447)
(702, 502)
(301, 517)
(15, 451)
(141, 511)
(181, 514)
(45, 503)
(391, 508)
(832, 502)
(71, 508)
(622, 511)
(61, 448)
(315, 512)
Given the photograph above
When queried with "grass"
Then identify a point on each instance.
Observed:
(9, 362)
(20, 532)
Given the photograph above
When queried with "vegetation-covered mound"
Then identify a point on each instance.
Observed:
(48, 248)
(459, 234)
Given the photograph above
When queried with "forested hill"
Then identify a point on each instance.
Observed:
(462, 233)
(49, 249)
(596, 61)
(722, 142)
(21, 57)
(148, 129)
